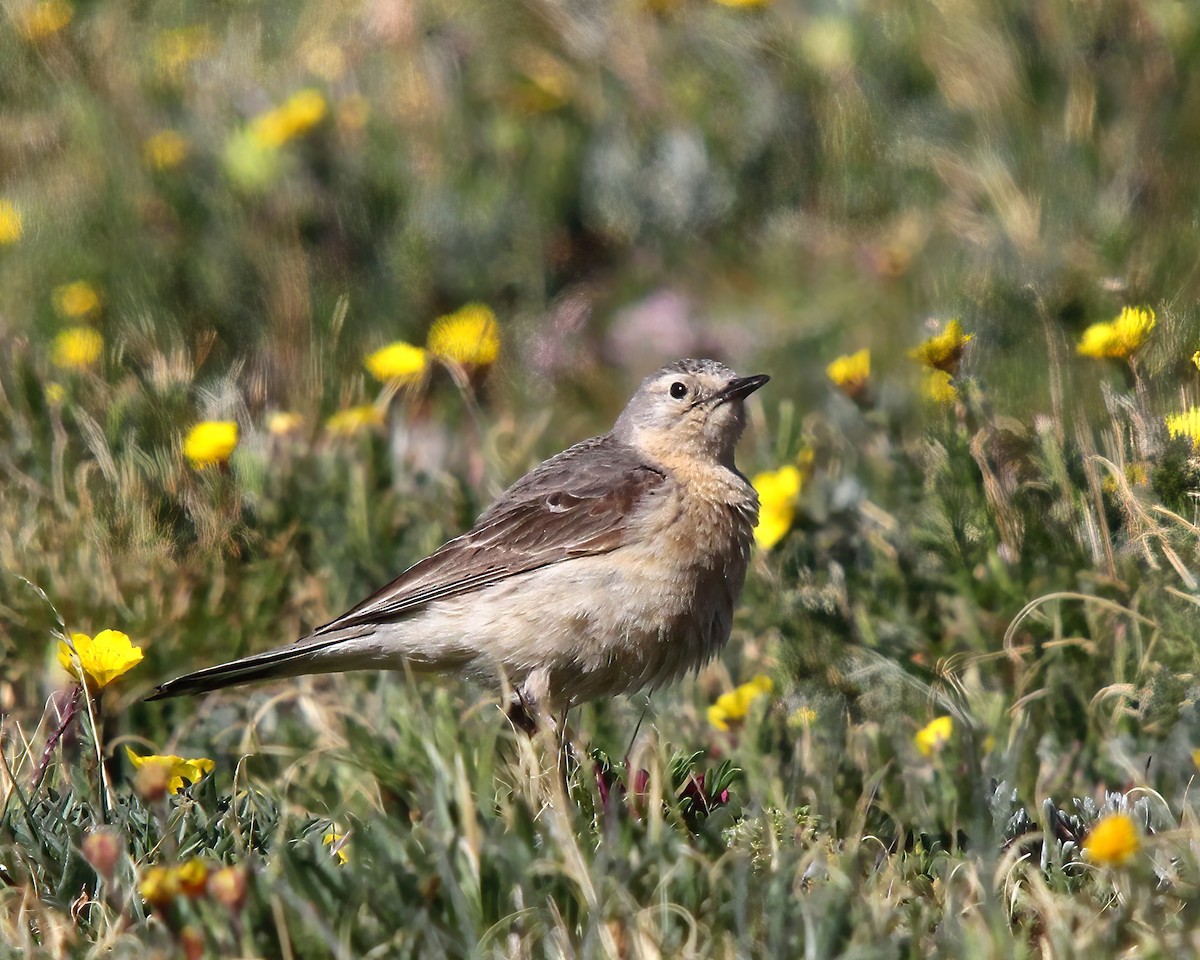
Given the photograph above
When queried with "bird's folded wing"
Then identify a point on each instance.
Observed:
(574, 505)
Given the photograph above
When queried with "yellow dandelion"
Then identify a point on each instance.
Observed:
(339, 844)
(733, 707)
(778, 491)
(210, 443)
(280, 423)
(76, 299)
(76, 348)
(944, 351)
(802, 718)
(158, 885)
(934, 735)
(1112, 840)
(11, 225)
(851, 372)
(348, 422)
(299, 114)
(176, 50)
(165, 150)
(1186, 424)
(1119, 338)
(470, 336)
(42, 20)
(192, 877)
(399, 362)
(175, 769)
(103, 658)
(937, 386)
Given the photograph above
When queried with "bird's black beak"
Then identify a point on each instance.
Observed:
(741, 387)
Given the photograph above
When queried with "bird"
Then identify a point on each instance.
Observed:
(612, 567)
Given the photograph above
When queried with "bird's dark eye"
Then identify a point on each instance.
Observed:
(678, 390)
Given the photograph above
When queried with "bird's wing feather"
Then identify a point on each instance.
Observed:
(574, 505)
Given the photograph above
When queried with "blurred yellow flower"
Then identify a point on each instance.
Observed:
(228, 887)
(851, 372)
(1196, 757)
(346, 423)
(934, 735)
(944, 351)
(76, 299)
(778, 491)
(76, 348)
(802, 718)
(192, 877)
(165, 150)
(937, 387)
(44, 19)
(281, 423)
(248, 163)
(470, 336)
(210, 442)
(732, 708)
(158, 885)
(104, 658)
(398, 362)
(1119, 338)
(297, 115)
(55, 394)
(339, 844)
(1112, 840)
(175, 50)
(11, 226)
(1196, 359)
(1186, 424)
(177, 769)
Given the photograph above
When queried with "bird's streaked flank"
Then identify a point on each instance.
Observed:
(612, 567)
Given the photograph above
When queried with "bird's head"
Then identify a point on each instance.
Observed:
(689, 408)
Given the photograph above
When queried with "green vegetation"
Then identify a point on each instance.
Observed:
(977, 613)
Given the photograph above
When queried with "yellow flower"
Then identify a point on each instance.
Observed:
(470, 336)
(934, 735)
(44, 19)
(281, 423)
(210, 443)
(339, 844)
(76, 348)
(165, 150)
(1186, 424)
(1196, 758)
(301, 112)
(851, 372)
(108, 655)
(802, 718)
(1119, 338)
(1196, 359)
(228, 887)
(943, 352)
(1112, 840)
(398, 362)
(177, 769)
(175, 50)
(937, 387)
(55, 394)
(346, 423)
(158, 885)
(192, 877)
(778, 491)
(76, 299)
(10, 223)
(732, 707)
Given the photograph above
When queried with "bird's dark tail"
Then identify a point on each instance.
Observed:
(316, 655)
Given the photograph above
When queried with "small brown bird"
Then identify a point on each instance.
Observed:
(612, 567)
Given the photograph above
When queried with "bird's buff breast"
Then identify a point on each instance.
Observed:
(635, 617)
